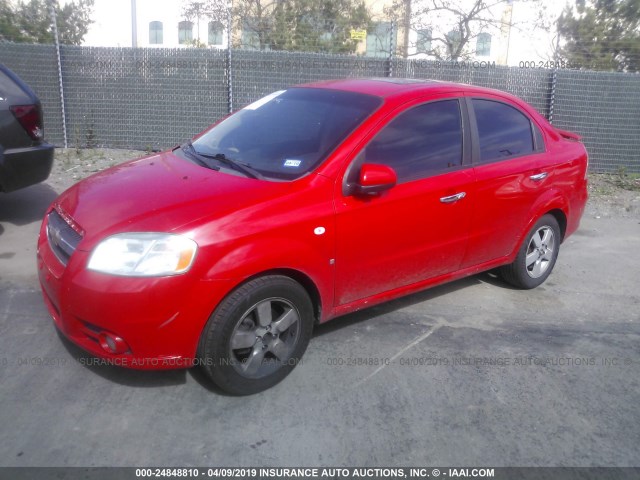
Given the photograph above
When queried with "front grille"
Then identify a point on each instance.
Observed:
(62, 238)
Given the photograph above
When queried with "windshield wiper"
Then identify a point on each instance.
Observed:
(200, 159)
(241, 167)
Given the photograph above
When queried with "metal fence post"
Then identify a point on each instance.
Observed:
(392, 46)
(57, 43)
(229, 58)
(552, 100)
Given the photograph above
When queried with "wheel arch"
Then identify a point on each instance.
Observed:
(220, 357)
(561, 218)
(302, 278)
(553, 204)
(307, 261)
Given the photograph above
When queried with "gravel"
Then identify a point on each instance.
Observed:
(73, 164)
(614, 195)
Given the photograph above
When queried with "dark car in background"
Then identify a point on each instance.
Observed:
(25, 158)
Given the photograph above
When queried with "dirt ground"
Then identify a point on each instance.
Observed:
(73, 164)
(614, 195)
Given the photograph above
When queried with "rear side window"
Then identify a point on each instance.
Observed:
(504, 132)
(420, 142)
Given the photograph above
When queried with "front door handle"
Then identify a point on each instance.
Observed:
(453, 198)
(539, 176)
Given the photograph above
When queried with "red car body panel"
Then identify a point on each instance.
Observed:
(428, 240)
(348, 251)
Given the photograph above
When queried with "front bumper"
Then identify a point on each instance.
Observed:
(22, 167)
(157, 321)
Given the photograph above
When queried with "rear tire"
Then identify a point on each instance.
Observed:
(537, 255)
(257, 335)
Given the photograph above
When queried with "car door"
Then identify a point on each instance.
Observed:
(507, 150)
(418, 229)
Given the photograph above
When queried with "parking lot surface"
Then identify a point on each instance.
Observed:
(470, 373)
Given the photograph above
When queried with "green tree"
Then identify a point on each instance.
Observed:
(30, 21)
(211, 9)
(7, 21)
(301, 25)
(601, 35)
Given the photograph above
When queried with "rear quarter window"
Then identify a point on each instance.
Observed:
(538, 138)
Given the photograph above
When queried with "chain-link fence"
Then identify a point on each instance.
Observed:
(152, 98)
(532, 85)
(605, 109)
(256, 74)
(141, 98)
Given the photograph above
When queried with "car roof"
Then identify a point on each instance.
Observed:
(388, 87)
(399, 90)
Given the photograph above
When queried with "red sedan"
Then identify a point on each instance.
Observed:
(308, 204)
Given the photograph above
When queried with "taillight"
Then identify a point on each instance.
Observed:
(30, 117)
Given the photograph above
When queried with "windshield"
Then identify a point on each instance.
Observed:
(288, 133)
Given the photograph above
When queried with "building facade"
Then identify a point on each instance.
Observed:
(506, 35)
(152, 23)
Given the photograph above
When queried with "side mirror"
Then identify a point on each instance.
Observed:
(375, 179)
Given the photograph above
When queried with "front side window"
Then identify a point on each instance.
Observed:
(155, 33)
(504, 132)
(288, 133)
(420, 142)
(185, 33)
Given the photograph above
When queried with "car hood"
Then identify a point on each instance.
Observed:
(160, 193)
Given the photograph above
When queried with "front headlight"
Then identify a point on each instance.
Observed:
(143, 254)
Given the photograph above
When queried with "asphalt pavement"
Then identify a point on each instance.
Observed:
(473, 373)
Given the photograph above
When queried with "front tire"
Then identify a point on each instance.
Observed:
(537, 255)
(257, 335)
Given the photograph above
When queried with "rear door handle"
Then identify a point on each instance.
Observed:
(453, 198)
(539, 176)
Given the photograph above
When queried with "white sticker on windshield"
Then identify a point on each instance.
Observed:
(292, 163)
(258, 103)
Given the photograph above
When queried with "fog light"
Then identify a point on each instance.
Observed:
(112, 343)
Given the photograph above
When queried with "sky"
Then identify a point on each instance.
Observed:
(112, 25)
